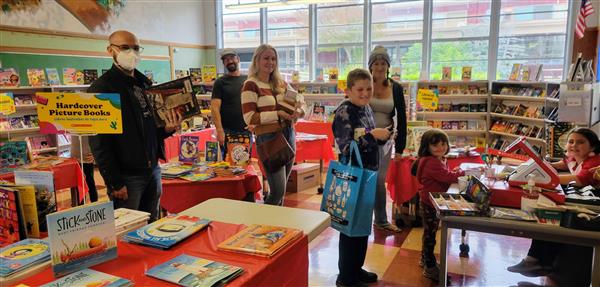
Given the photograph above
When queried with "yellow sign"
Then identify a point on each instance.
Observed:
(7, 104)
(428, 99)
(79, 113)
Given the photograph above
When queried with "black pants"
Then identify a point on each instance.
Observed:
(572, 264)
(353, 251)
(88, 171)
(430, 227)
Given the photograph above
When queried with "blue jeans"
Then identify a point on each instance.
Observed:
(143, 193)
(232, 132)
(278, 180)
(385, 154)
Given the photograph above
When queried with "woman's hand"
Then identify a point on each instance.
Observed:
(284, 115)
(381, 134)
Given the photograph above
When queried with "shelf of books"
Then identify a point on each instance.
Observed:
(522, 108)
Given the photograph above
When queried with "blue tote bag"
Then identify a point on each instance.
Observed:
(349, 196)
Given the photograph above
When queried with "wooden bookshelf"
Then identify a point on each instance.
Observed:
(534, 140)
(518, 98)
(518, 118)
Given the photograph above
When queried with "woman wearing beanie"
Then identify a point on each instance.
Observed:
(387, 101)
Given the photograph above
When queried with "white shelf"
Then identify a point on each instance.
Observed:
(462, 96)
(521, 82)
(519, 98)
(464, 132)
(44, 87)
(44, 150)
(20, 131)
(26, 107)
(204, 97)
(519, 118)
(316, 97)
(452, 115)
(457, 82)
(534, 140)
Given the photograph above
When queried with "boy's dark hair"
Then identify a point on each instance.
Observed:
(591, 137)
(357, 75)
(430, 137)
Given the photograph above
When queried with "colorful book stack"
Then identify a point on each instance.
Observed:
(23, 255)
(174, 170)
(261, 240)
(127, 220)
(167, 231)
(186, 270)
(89, 277)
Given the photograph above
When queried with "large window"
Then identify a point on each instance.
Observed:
(398, 26)
(288, 32)
(340, 37)
(460, 37)
(241, 30)
(533, 32)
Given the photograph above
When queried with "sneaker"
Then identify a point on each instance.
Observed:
(525, 266)
(432, 273)
(367, 277)
(388, 227)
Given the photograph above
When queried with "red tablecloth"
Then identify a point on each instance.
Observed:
(317, 128)
(172, 142)
(313, 150)
(67, 174)
(402, 186)
(288, 268)
(179, 194)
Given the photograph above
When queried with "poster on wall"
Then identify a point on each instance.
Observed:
(83, 113)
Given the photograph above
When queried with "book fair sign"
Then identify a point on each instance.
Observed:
(81, 113)
(427, 99)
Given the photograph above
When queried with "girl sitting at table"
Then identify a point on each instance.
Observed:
(433, 174)
(581, 159)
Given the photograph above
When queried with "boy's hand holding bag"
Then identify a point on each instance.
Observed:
(349, 195)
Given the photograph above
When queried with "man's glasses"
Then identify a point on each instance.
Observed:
(124, 48)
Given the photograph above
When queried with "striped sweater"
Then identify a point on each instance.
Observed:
(259, 106)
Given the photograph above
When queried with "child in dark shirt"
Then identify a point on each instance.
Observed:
(354, 121)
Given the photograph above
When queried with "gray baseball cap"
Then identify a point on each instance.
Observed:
(227, 52)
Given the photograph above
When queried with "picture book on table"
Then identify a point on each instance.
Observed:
(190, 271)
(209, 73)
(89, 76)
(466, 73)
(317, 113)
(238, 149)
(72, 76)
(196, 74)
(167, 231)
(175, 97)
(90, 278)
(14, 153)
(81, 237)
(9, 77)
(188, 149)
(44, 197)
(262, 240)
(22, 255)
(53, 78)
(212, 152)
(36, 77)
(7, 104)
(446, 73)
(10, 225)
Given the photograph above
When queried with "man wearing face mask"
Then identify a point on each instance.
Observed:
(226, 103)
(128, 162)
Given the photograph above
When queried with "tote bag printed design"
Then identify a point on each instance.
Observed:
(349, 196)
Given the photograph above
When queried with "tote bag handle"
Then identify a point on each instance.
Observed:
(354, 150)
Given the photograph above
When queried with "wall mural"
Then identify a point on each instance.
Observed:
(151, 20)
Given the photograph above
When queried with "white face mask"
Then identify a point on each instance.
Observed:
(128, 60)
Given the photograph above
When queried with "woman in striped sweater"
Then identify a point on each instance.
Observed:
(260, 94)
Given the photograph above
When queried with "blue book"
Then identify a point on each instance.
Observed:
(22, 255)
(89, 277)
(167, 231)
(185, 270)
(81, 237)
(212, 152)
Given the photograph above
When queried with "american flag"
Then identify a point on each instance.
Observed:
(585, 10)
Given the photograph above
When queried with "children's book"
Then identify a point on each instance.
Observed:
(342, 85)
(9, 77)
(190, 271)
(22, 255)
(45, 197)
(188, 149)
(167, 231)
(36, 77)
(89, 76)
(212, 152)
(53, 79)
(7, 104)
(333, 74)
(446, 73)
(238, 149)
(466, 73)
(514, 73)
(181, 74)
(261, 240)
(125, 218)
(72, 76)
(174, 97)
(196, 74)
(81, 237)
(89, 277)
(317, 113)
(10, 227)
(295, 76)
(14, 153)
(209, 73)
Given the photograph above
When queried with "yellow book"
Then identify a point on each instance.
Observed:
(28, 205)
(209, 73)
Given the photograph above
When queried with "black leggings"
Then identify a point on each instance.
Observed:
(571, 263)
(88, 171)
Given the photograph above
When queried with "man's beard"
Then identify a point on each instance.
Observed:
(231, 67)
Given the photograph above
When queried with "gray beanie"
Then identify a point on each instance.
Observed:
(379, 52)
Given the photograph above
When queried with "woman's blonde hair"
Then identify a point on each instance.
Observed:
(275, 79)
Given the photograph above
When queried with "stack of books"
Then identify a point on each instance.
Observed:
(89, 277)
(23, 255)
(261, 240)
(127, 220)
(174, 170)
(229, 171)
(186, 270)
(167, 231)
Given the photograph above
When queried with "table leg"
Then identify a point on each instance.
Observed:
(596, 267)
(320, 189)
(443, 256)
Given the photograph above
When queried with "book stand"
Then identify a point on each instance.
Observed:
(545, 175)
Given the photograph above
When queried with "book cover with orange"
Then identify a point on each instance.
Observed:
(262, 240)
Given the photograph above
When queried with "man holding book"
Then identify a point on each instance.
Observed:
(128, 162)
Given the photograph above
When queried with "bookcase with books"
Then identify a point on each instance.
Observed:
(522, 108)
(24, 123)
(462, 110)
